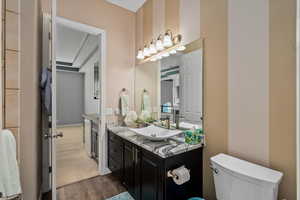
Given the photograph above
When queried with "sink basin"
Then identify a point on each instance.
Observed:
(155, 133)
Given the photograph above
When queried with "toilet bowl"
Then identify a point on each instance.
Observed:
(237, 179)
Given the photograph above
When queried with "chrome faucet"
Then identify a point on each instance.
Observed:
(177, 118)
(168, 121)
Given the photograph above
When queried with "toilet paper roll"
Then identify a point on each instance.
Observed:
(181, 175)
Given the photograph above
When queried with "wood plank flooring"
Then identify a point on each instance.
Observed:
(97, 188)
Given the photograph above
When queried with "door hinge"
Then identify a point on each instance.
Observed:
(50, 169)
(49, 36)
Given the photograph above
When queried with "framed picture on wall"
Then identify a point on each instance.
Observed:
(96, 81)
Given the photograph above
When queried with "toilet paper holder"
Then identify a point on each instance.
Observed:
(171, 175)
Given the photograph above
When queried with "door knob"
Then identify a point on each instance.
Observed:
(59, 134)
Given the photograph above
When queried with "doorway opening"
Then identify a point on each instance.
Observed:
(77, 95)
(80, 68)
(77, 63)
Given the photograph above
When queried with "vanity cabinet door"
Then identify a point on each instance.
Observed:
(94, 142)
(151, 177)
(115, 155)
(129, 168)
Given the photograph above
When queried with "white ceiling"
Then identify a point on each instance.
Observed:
(132, 5)
(72, 43)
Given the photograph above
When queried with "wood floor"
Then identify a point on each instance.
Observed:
(97, 188)
(73, 163)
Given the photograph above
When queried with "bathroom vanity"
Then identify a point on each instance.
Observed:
(143, 165)
(91, 135)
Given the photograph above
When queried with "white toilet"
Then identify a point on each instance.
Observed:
(237, 179)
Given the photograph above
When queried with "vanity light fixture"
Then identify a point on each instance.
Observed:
(173, 51)
(146, 51)
(152, 48)
(166, 54)
(158, 57)
(164, 46)
(140, 55)
(168, 39)
(181, 48)
(159, 43)
(153, 59)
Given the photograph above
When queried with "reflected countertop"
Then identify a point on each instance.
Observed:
(166, 148)
(93, 117)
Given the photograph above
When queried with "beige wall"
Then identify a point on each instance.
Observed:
(158, 17)
(248, 80)
(214, 29)
(2, 11)
(189, 28)
(119, 25)
(172, 15)
(30, 130)
(21, 85)
(11, 69)
(282, 91)
(147, 21)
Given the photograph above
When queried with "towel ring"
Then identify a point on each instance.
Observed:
(124, 90)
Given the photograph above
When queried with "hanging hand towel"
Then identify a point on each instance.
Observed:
(124, 103)
(9, 169)
(146, 102)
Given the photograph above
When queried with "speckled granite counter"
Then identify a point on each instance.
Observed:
(164, 149)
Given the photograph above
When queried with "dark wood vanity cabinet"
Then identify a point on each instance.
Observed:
(151, 177)
(144, 174)
(129, 167)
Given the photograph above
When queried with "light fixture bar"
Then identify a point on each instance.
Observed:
(168, 50)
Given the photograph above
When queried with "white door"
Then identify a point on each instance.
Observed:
(49, 112)
(53, 67)
(191, 81)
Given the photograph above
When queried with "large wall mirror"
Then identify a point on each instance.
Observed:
(175, 86)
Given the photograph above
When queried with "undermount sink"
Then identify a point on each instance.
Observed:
(155, 133)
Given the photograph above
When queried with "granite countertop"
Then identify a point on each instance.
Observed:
(93, 117)
(164, 149)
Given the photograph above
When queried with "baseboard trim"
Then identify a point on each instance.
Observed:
(105, 171)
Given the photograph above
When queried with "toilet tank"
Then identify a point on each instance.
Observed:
(237, 179)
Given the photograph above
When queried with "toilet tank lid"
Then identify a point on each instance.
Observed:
(247, 169)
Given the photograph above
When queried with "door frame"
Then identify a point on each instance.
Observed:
(103, 168)
(298, 96)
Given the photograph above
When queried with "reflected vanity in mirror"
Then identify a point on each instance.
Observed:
(175, 87)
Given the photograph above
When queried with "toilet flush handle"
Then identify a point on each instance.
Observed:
(215, 170)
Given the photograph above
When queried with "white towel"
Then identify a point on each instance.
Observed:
(9, 169)
(146, 103)
(124, 104)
